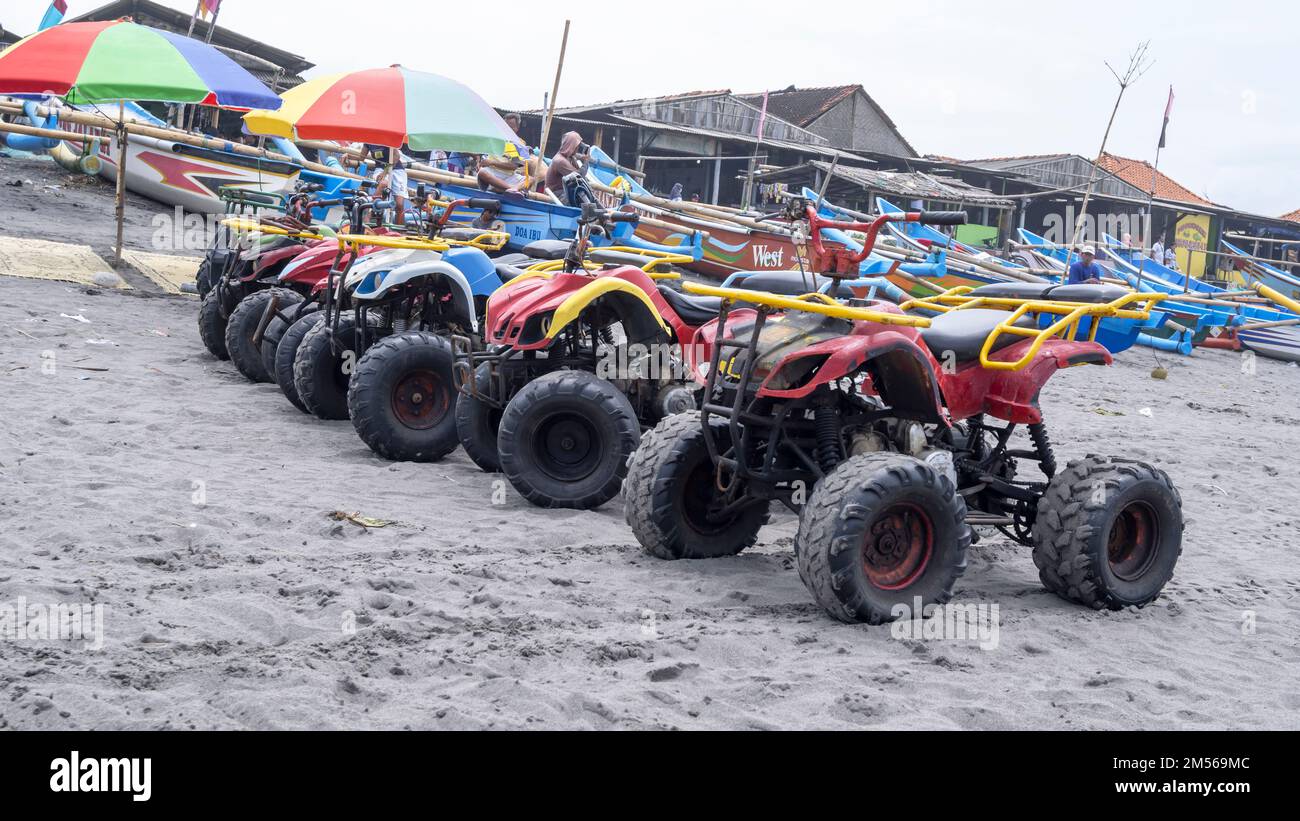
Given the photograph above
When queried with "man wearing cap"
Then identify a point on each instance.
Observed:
(1085, 271)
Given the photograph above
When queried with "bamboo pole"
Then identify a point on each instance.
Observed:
(555, 90)
(1259, 326)
(122, 142)
(47, 133)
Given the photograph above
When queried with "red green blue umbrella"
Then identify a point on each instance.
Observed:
(120, 60)
(391, 107)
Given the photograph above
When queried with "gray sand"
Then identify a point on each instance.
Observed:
(256, 610)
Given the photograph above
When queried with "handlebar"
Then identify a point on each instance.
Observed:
(846, 262)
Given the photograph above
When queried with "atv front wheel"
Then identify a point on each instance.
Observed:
(242, 327)
(212, 326)
(565, 439)
(287, 351)
(671, 501)
(878, 532)
(274, 333)
(1108, 533)
(322, 371)
(477, 423)
(402, 400)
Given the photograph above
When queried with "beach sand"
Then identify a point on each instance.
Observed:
(196, 508)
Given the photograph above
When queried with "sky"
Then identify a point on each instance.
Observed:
(960, 79)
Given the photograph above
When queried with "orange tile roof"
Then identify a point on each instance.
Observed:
(1137, 173)
(1294, 216)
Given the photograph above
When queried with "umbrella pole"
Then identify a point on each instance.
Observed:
(121, 181)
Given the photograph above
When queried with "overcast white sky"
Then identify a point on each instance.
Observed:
(962, 79)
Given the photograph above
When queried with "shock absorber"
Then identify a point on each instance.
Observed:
(1038, 433)
(830, 445)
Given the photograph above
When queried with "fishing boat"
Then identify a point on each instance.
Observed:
(726, 248)
(178, 174)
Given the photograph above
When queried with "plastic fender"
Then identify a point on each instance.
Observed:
(1013, 395)
(572, 307)
(271, 258)
(476, 267)
(436, 269)
(380, 260)
(311, 265)
(698, 354)
(904, 374)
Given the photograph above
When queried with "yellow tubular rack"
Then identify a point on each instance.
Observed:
(1067, 327)
(253, 226)
(551, 266)
(812, 303)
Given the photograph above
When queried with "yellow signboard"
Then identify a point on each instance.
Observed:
(1191, 241)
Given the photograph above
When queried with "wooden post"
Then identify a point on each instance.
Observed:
(121, 180)
(555, 90)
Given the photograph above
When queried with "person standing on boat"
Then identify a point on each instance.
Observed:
(565, 162)
(1085, 271)
(1171, 261)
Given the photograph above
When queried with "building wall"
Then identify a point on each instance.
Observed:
(854, 124)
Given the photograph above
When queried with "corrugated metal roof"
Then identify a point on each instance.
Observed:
(803, 148)
(908, 185)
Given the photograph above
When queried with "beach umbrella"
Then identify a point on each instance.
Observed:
(118, 60)
(392, 107)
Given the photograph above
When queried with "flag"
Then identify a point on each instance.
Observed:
(54, 14)
(762, 117)
(1169, 108)
(207, 7)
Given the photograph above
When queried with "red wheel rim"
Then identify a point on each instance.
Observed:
(420, 399)
(898, 546)
(1133, 541)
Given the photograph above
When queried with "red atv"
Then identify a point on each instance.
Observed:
(577, 360)
(845, 414)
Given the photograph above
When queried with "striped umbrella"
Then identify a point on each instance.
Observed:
(118, 60)
(392, 107)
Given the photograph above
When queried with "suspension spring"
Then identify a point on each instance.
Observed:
(1046, 458)
(400, 324)
(830, 445)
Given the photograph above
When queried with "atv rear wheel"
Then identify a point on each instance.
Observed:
(477, 423)
(287, 351)
(203, 277)
(565, 439)
(322, 371)
(402, 399)
(670, 496)
(1108, 533)
(242, 327)
(879, 531)
(212, 326)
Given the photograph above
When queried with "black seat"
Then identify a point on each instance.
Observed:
(786, 283)
(460, 234)
(607, 257)
(1087, 293)
(693, 310)
(515, 258)
(1014, 290)
(506, 271)
(963, 332)
(547, 248)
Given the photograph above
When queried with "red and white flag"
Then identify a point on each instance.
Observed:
(1169, 109)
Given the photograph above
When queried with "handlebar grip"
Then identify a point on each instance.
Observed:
(624, 216)
(483, 202)
(942, 218)
(326, 203)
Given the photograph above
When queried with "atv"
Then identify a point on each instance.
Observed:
(569, 369)
(404, 284)
(889, 431)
